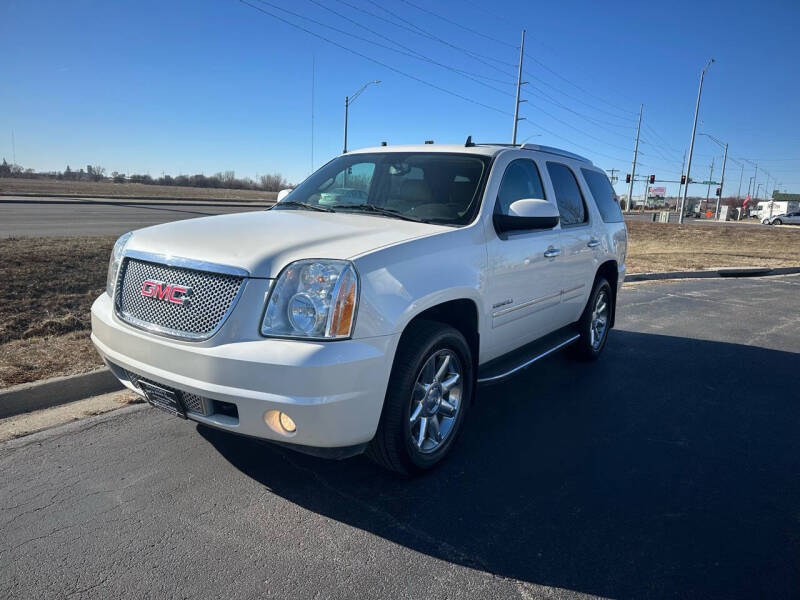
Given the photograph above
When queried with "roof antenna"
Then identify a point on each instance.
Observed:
(468, 143)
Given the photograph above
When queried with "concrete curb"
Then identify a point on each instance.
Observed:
(56, 390)
(713, 273)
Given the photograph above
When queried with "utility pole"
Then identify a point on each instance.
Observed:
(755, 176)
(739, 193)
(710, 179)
(635, 155)
(721, 182)
(520, 83)
(613, 177)
(13, 148)
(691, 143)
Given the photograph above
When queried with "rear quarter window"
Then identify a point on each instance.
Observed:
(604, 196)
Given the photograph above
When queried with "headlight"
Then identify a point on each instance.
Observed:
(114, 262)
(313, 299)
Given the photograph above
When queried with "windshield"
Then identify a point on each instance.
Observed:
(433, 187)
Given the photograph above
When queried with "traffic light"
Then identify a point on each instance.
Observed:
(683, 179)
(628, 178)
(718, 192)
(652, 178)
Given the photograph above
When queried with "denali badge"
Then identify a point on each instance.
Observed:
(177, 294)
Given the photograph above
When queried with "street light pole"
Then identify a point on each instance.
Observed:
(691, 143)
(348, 100)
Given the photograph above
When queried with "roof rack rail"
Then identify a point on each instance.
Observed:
(556, 151)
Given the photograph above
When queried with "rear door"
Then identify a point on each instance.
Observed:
(578, 242)
(524, 278)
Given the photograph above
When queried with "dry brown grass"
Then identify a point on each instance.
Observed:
(50, 284)
(42, 357)
(106, 189)
(672, 247)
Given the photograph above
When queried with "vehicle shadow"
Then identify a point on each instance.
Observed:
(645, 474)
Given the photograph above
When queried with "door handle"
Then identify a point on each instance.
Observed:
(593, 243)
(552, 252)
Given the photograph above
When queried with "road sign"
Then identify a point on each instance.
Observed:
(707, 182)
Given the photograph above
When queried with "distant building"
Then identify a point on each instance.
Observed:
(780, 196)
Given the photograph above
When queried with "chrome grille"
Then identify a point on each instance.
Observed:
(192, 402)
(213, 297)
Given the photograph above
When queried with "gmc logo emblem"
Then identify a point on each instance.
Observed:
(169, 292)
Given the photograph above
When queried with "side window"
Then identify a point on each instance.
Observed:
(603, 195)
(568, 195)
(521, 180)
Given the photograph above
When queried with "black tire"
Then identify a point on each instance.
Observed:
(392, 447)
(777, 222)
(584, 348)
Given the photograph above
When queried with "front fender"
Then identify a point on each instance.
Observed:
(401, 281)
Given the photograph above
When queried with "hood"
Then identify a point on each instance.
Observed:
(263, 242)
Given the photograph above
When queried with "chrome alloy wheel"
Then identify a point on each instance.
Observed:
(435, 401)
(599, 322)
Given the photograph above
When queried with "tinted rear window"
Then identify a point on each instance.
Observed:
(568, 195)
(603, 195)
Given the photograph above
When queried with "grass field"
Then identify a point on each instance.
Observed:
(661, 247)
(50, 284)
(45, 187)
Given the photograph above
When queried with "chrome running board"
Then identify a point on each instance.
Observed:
(505, 366)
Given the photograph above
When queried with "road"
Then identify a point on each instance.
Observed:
(97, 216)
(670, 468)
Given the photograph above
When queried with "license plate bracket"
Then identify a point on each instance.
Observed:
(164, 398)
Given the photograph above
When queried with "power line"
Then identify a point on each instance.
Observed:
(592, 120)
(575, 85)
(417, 30)
(411, 53)
(579, 100)
(376, 61)
(459, 25)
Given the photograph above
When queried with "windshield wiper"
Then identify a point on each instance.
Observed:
(380, 210)
(307, 205)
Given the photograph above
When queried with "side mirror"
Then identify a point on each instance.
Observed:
(527, 214)
(283, 193)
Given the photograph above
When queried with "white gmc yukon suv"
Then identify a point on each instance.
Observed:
(361, 312)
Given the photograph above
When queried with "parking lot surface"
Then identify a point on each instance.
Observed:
(670, 468)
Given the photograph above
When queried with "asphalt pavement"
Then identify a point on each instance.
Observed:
(46, 217)
(670, 468)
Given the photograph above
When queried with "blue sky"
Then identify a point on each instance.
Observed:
(207, 85)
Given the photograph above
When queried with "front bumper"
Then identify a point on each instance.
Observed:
(333, 391)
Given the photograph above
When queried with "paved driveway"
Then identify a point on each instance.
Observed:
(668, 469)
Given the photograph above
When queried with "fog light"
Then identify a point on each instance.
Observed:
(286, 422)
(280, 422)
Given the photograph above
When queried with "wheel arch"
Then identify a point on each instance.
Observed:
(460, 314)
(610, 271)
